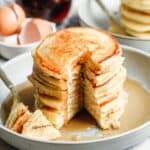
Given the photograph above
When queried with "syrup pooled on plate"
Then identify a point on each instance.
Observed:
(83, 126)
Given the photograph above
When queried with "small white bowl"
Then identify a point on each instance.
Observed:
(91, 15)
(9, 51)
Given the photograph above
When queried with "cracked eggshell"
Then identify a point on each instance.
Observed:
(34, 30)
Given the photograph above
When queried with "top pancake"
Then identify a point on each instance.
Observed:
(140, 5)
(73, 46)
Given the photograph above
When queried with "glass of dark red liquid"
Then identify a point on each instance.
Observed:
(53, 10)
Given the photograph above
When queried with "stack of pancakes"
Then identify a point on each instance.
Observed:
(76, 68)
(135, 17)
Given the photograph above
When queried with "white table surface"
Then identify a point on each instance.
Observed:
(142, 146)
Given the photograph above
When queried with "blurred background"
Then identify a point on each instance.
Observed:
(24, 23)
(58, 11)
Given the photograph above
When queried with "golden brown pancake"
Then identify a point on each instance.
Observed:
(17, 117)
(38, 127)
(75, 43)
(139, 5)
(52, 102)
(135, 15)
(108, 115)
(144, 35)
(133, 25)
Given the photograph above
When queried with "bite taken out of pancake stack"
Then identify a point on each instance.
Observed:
(135, 17)
(77, 68)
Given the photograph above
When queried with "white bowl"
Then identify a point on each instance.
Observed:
(91, 15)
(137, 64)
(9, 51)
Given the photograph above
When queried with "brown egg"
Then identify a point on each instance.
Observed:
(19, 13)
(11, 17)
(34, 30)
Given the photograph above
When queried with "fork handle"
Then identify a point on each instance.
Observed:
(8, 83)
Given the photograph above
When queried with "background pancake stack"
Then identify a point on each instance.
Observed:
(77, 66)
(104, 96)
(135, 17)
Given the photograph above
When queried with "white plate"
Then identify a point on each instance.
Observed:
(90, 14)
(139, 70)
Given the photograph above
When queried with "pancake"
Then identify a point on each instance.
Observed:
(36, 78)
(48, 90)
(144, 35)
(140, 5)
(17, 117)
(55, 117)
(45, 86)
(135, 26)
(70, 39)
(38, 127)
(50, 101)
(19, 123)
(105, 66)
(50, 80)
(53, 69)
(54, 102)
(74, 67)
(135, 15)
(111, 84)
(108, 115)
(101, 79)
